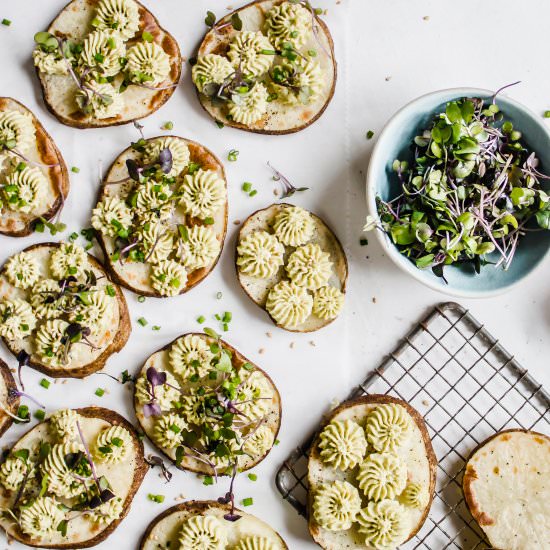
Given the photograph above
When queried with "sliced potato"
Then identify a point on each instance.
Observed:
(124, 480)
(46, 157)
(417, 453)
(281, 118)
(135, 276)
(507, 488)
(8, 400)
(258, 289)
(74, 23)
(270, 421)
(84, 359)
(163, 531)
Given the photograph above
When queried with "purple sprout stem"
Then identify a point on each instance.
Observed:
(88, 455)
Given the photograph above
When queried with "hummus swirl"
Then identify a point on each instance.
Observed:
(100, 100)
(200, 249)
(63, 423)
(156, 241)
(49, 346)
(68, 259)
(415, 495)
(25, 190)
(309, 266)
(120, 16)
(41, 518)
(107, 512)
(22, 270)
(190, 355)
(259, 442)
(384, 524)
(254, 543)
(293, 226)
(388, 427)
(202, 533)
(17, 319)
(382, 476)
(94, 314)
(49, 63)
(254, 396)
(288, 22)
(101, 52)
(45, 301)
(260, 255)
(210, 69)
(168, 277)
(202, 193)
(110, 216)
(179, 150)
(249, 107)
(151, 198)
(328, 302)
(61, 481)
(289, 304)
(16, 131)
(247, 51)
(343, 444)
(113, 445)
(336, 505)
(12, 473)
(148, 63)
(167, 430)
(164, 395)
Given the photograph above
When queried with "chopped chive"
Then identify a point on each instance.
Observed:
(156, 327)
(208, 480)
(227, 316)
(73, 236)
(252, 477)
(75, 169)
(546, 114)
(225, 327)
(100, 392)
(232, 155)
(147, 36)
(40, 414)
(370, 133)
(142, 321)
(168, 125)
(159, 499)
(247, 187)
(219, 124)
(208, 221)
(117, 442)
(22, 412)
(252, 193)
(201, 319)
(141, 299)
(6, 22)
(276, 442)
(45, 383)
(110, 290)
(248, 501)
(363, 241)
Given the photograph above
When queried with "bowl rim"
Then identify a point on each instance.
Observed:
(392, 251)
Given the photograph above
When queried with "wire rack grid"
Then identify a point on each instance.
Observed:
(467, 387)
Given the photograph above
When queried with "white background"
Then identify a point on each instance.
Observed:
(389, 52)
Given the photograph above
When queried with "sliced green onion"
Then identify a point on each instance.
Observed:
(147, 36)
(247, 187)
(252, 193)
(159, 499)
(142, 321)
(232, 155)
(208, 480)
(6, 22)
(110, 290)
(75, 169)
(45, 383)
(168, 125)
(100, 392)
(370, 133)
(248, 501)
(40, 414)
(141, 299)
(156, 327)
(201, 319)
(252, 477)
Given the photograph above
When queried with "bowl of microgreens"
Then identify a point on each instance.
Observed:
(457, 191)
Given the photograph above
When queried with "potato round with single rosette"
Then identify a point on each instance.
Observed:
(292, 265)
(371, 474)
(105, 62)
(35, 178)
(507, 489)
(206, 406)
(268, 67)
(70, 480)
(59, 311)
(9, 398)
(208, 524)
(161, 215)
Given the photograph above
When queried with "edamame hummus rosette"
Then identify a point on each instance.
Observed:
(269, 67)
(290, 263)
(70, 480)
(371, 474)
(161, 215)
(105, 62)
(34, 181)
(207, 524)
(206, 407)
(59, 312)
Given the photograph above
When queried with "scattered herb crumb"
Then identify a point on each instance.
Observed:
(141, 299)
(156, 327)
(45, 383)
(201, 319)
(159, 499)
(370, 134)
(252, 477)
(75, 169)
(547, 114)
(40, 414)
(142, 321)
(100, 392)
(6, 22)
(168, 125)
(363, 241)
(248, 501)
(233, 155)
(208, 480)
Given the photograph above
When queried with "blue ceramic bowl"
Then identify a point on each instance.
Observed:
(395, 143)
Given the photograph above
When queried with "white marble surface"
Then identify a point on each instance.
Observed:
(389, 53)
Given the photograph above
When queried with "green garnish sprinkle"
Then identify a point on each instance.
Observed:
(546, 114)
(201, 319)
(147, 36)
(45, 383)
(232, 155)
(142, 321)
(75, 169)
(110, 290)
(40, 414)
(208, 480)
(370, 133)
(247, 187)
(252, 477)
(248, 501)
(6, 22)
(159, 499)
(100, 392)
(168, 125)
(141, 299)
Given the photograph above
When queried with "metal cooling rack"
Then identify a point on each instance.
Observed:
(467, 386)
